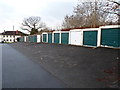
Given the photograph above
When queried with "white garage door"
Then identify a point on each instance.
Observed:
(76, 37)
(38, 38)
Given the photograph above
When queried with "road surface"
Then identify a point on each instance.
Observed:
(20, 72)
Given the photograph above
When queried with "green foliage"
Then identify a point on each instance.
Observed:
(33, 31)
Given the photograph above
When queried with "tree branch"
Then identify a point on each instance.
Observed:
(111, 12)
(114, 2)
(32, 24)
(25, 29)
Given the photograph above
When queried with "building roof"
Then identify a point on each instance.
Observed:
(13, 33)
(68, 29)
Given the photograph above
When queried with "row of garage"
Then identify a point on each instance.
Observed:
(58, 37)
(106, 36)
(31, 38)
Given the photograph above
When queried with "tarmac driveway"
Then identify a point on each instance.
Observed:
(20, 72)
(77, 67)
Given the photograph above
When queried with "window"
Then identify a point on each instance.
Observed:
(7, 40)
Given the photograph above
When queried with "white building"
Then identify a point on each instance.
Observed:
(10, 36)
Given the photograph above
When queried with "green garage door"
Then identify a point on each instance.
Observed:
(31, 39)
(44, 37)
(110, 37)
(56, 37)
(90, 38)
(64, 38)
(34, 38)
(50, 38)
(27, 39)
(21, 39)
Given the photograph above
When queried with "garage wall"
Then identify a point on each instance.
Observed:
(102, 36)
(27, 39)
(38, 38)
(32, 38)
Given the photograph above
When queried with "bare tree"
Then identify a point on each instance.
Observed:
(70, 22)
(85, 14)
(113, 8)
(32, 24)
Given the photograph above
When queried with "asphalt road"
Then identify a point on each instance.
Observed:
(0, 66)
(20, 72)
(77, 67)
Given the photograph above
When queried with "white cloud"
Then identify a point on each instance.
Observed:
(12, 12)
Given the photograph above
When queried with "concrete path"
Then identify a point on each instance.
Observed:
(20, 72)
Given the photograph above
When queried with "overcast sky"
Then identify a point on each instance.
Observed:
(52, 12)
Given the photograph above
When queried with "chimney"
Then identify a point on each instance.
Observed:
(4, 31)
(17, 32)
